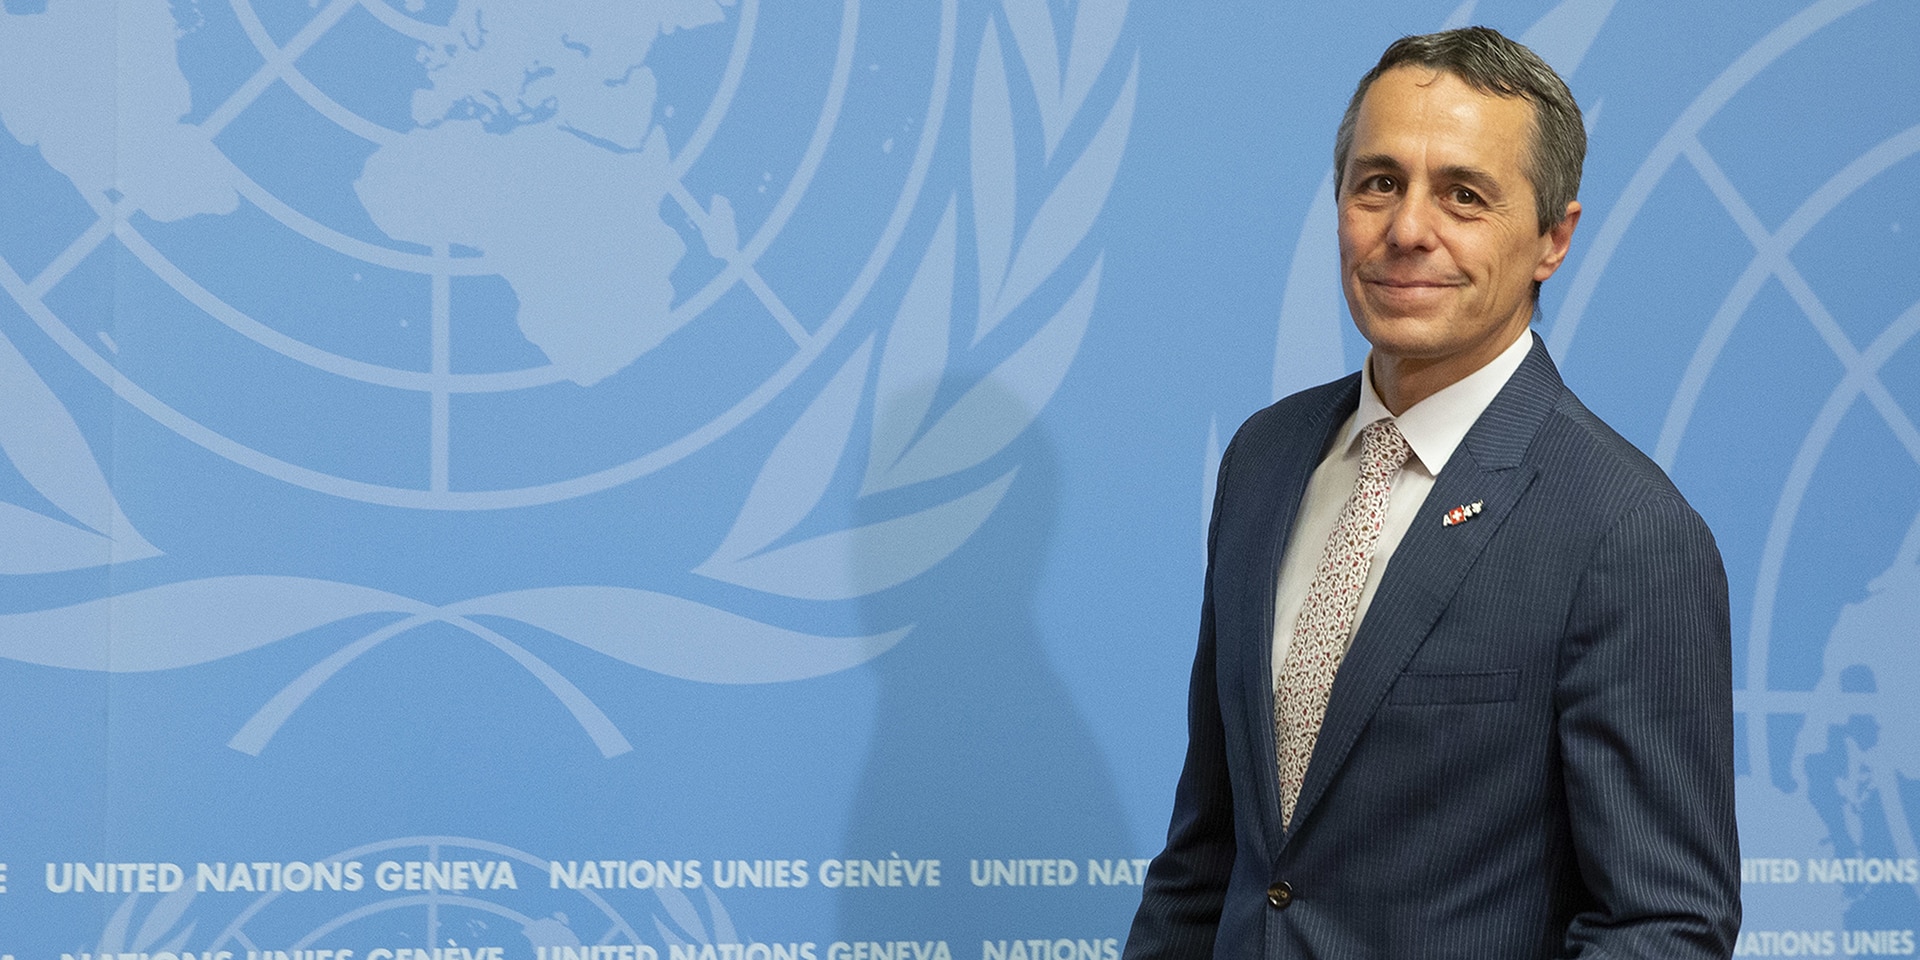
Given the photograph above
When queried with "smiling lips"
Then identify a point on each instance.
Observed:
(1392, 281)
(1394, 293)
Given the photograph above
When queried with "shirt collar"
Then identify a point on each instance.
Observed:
(1435, 426)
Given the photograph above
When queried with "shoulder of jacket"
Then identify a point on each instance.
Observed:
(1308, 409)
(1581, 450)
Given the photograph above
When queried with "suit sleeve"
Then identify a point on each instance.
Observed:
(1646, 735)
(1187, 883)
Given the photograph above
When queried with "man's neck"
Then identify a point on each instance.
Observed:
(1402, 382)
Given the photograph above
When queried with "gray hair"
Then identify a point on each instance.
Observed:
(1489, 62)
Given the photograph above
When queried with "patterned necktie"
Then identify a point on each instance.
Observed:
(1326, 615)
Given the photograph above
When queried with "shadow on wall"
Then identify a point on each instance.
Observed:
(978, 752)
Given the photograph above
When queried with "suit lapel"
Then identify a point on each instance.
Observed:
(1431, 562)
(1276, 497)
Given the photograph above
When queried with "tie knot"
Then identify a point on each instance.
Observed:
(1383, 449)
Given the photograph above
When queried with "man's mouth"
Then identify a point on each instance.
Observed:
(1408, 282)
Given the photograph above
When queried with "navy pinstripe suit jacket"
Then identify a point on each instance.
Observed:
(1528, 748)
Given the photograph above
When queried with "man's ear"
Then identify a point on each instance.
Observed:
(1559, 239)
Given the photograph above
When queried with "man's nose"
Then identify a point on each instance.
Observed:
(1412, 224)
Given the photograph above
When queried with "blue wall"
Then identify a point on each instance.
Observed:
(600, 446)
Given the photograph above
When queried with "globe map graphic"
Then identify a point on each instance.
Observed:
(397, 286)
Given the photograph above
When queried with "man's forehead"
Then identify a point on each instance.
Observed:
(1452, 122)
(1435, 88)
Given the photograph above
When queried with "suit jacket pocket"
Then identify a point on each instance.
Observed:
(1491, 686)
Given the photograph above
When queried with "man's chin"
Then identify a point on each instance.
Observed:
(1403, 334)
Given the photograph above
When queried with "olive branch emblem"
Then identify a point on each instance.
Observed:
(909, 444)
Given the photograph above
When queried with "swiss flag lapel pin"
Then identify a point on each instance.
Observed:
(1461, 514)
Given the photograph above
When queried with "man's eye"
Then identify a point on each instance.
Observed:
(1465, 197)
(1381, 183)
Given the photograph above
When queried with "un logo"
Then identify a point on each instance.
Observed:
(485, 257)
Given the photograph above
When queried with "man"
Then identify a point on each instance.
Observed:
(1463, 686)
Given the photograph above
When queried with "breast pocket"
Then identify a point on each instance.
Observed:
(1489, 686)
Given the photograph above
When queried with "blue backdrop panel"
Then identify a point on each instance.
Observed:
(723, 480)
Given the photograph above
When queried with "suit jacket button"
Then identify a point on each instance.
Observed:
(1280, 895)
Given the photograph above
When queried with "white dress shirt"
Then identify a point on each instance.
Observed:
(1433, 428)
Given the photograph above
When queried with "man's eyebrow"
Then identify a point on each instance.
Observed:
(1377, 161)
(1475, 177)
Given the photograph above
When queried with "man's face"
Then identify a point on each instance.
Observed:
(1439, 239)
